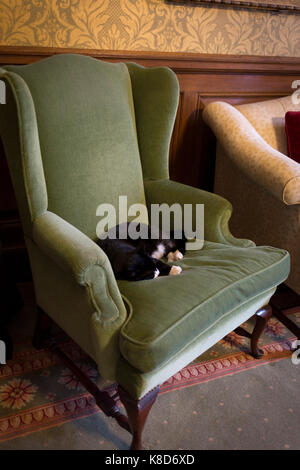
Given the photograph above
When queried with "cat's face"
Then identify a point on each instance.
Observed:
(161, 248)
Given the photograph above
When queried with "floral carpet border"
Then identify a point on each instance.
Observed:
(82, 405)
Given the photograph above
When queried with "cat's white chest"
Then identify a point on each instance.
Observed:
(159, 252)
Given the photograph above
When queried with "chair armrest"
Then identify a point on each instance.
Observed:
(83, 259)
(71, 249)
(268, 167)
(217, 210)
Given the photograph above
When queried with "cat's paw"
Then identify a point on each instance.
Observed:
(156, 273)
(178, 255)
(171, 257)
(174, 256)
(175, 270)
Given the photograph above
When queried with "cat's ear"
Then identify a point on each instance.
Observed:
(181, 244)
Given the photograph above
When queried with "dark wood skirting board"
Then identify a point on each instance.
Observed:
(178, 61)
(203, 78)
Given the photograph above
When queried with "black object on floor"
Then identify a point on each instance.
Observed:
(10, 303)
(285, 302)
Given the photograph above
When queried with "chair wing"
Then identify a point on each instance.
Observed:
(18, 128)
(85, 120)
(155, 94)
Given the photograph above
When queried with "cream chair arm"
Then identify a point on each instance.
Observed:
(273, 170)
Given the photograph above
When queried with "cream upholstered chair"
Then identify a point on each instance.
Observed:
(79, 132)
(254, 173)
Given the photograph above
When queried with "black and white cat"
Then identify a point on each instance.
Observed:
(140, 259)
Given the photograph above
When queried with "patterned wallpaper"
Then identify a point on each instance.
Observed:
(147, 25)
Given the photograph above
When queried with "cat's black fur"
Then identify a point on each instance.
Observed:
(137, 260)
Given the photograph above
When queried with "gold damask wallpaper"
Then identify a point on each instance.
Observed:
(147, 25)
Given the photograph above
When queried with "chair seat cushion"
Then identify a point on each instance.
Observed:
(168, 313)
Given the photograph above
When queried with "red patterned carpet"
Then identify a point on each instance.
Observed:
(38, 392)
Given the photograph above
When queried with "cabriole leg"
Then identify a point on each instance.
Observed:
(137, 411)
(262, 317)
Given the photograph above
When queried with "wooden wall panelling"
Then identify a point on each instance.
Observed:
(192, 158)
(203, 78)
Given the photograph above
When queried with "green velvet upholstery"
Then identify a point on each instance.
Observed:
(214, 282)
(156, 96)
(79, 132)
(86, 121)
(216, 214)
(138, 383)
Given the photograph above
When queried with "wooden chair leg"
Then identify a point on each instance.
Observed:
(289, 324)
(262, 317)
(42, 329)
(107, 403)
(137, 411)
(285, 302)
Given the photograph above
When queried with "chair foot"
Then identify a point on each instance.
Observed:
(137, 411)
(42, 332)
(107, 403)
(262, 317)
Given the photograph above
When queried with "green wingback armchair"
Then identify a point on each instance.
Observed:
(78, 132)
